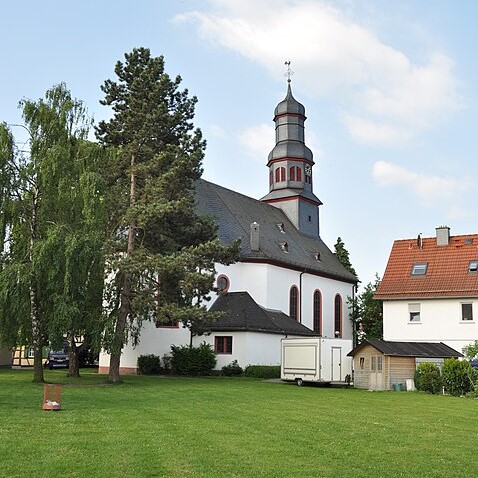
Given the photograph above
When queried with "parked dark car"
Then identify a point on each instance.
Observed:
(474, 363)
(57, 359)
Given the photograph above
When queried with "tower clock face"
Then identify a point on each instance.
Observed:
(308, 169)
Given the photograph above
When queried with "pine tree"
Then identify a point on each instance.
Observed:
(343, 256)
(162, 255)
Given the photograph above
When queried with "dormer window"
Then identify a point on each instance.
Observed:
(284, 246)
(419, 269)
(281, 227)
(473, 266)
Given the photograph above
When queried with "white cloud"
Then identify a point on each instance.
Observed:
(387, 96)
(430, 191)
(216, 131)
(257, 141)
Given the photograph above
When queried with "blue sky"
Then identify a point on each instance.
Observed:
(390, 91)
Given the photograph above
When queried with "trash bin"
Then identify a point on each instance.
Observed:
(51, 397)
(397, 387)
(410, 384)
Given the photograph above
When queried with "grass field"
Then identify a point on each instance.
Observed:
(223, 427)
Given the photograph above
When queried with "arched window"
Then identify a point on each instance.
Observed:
(295, 173)
(294, 303)
(318, 312)
(282, 174)
(271, 178)
(338, 316)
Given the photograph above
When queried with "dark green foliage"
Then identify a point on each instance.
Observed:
(367, 313)
(193, 360)
(343, 256)
(166, 266)
(428, 378)
(232, 370)
(262, 371)
(149, 365)
(458, 376)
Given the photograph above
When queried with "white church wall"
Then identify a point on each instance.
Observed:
(440, 321)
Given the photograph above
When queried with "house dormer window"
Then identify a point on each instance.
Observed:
(280, 226)
(419, 269)
(473, 266)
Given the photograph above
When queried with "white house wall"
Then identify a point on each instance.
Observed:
(440, 321)
(248, 348)
(269, 286)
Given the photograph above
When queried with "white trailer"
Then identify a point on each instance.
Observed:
(316, 359)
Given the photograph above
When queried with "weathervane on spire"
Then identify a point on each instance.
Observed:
(289, 72)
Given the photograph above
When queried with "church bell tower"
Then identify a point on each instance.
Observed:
(290, 166)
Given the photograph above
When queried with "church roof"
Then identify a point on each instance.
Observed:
(280, 242)
(289, 105)
(242, 313)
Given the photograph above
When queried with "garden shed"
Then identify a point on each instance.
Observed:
(383, 365)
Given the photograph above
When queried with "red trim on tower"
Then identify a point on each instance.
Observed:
(292, 198)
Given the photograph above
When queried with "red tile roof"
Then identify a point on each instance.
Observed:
(447, 269)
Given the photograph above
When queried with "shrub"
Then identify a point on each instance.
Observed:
(457, 376)
(428, 378)
(262, 371)
(232, 370)
(149, 365)
(187, 360)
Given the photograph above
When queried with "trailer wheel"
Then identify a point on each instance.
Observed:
(300, 382)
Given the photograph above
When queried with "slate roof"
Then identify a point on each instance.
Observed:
(242, 313)
(409, 349)
(447, 269)
(234, 213)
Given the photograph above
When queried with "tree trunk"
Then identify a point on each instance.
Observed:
(37, 341)
(126, 291)
(73, 360)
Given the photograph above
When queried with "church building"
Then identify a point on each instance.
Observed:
(286, 283)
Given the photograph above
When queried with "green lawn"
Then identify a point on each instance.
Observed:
(222, 427)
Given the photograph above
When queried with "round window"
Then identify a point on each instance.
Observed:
(222, 283)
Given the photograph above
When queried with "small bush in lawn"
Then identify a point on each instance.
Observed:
(458, 376)
(428, 378)
(262, 371)
(193, 360)
(149, 365)
(232, 370)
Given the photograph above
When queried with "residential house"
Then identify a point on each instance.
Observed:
(430, 290)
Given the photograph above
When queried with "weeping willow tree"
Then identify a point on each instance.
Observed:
(52, 220)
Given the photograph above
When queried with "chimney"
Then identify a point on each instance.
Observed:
(255, 236)
(443, 235)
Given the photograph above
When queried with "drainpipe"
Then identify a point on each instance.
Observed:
(300, 296)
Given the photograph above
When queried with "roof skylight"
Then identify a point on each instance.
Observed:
(419, 269)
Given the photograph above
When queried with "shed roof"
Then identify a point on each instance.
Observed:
(447, 269)
(409, 349)
(242, 313)
(234, 213)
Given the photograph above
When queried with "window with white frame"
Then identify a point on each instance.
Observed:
(473, 266)
(419, 269)
(414, 313)
(467, 311)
